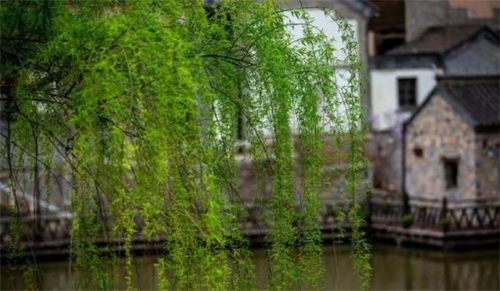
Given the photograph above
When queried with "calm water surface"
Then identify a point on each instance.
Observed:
(394, 269)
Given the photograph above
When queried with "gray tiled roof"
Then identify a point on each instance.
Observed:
(478, 98)
(440, 40)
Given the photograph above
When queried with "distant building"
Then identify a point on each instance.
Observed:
(401, 79)
(401, 21)
(422, 15)
(452, 141)
(388, 29)
(434, 143)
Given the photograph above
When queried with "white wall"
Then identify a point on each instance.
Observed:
(325, 24)
(331, 30)
(384, 94)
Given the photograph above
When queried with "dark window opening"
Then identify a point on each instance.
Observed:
(418, 152)
(451, 173)
(377, 180)
(407, 93)
(387, 43)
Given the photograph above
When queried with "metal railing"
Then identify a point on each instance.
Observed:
(55, 229)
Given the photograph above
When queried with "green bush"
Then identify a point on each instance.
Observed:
(407, 220)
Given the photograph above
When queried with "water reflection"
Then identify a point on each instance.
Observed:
(394, 269)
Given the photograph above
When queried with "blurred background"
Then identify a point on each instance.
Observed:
(431, 93)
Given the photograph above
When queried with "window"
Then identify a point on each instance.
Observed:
(418, 152)
(451, 173)
(407, 93)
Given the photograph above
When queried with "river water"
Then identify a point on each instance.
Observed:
(395, 268)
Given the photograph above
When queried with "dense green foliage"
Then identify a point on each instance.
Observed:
(139, 101)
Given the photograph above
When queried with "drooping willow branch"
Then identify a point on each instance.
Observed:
(140, 100)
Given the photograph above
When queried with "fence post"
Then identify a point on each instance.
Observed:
(443, 217)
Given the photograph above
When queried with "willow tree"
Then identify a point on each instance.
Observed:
(139, 100)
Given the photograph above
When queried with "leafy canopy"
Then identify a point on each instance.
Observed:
(141, 104)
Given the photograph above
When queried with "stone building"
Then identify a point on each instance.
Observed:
(401, 80)
(452, 141)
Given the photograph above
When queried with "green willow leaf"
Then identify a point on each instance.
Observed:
(149, 107)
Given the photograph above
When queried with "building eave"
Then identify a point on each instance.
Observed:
(410, 61)
(363, 7)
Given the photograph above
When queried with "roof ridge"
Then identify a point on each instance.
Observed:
(431, 41)
(468, 76)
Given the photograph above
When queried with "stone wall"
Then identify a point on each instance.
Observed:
(488, 165)
(435, 134)
(384, 152)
